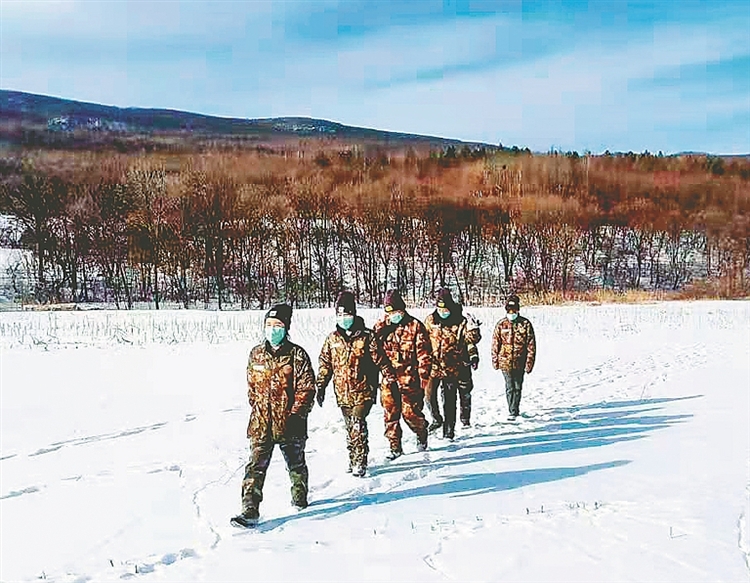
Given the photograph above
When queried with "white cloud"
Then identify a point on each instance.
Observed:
(493, 78)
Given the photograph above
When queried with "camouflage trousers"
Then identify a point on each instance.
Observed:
(293, 450)
(357, 442)
(464, 384)
(408, 404)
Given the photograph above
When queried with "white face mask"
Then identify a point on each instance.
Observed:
(512, 316)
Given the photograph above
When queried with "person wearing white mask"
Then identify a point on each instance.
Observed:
(513, 352)
(346, 358)
(280, 390)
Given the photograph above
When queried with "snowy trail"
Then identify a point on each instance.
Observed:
(631, 461)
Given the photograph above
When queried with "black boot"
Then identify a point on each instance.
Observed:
(435, 425)
(359, 471)
(394, 453)
(248, 518)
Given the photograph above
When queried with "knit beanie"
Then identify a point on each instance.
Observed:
(281, 312)
(513, 303)
(445, 299)
(345, 304)
(393, 301)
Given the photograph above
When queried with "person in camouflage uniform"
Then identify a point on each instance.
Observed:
(346, 357)
(401, 351)
(450, 337)
(513, 352)
(466, 380)
(280, 389)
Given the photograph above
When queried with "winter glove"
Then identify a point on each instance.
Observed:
(296, 426)
(474, 363)
(320, 396)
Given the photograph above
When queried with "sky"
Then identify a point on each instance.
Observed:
(658, 75)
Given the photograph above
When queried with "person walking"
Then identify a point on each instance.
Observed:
(450, 338)
(280, 389)
(466, 378)
(346, 358)
(402, 353)
(513, 352)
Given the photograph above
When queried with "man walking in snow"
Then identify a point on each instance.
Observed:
(450, 337)
(346, 357)
(402, 353)
(280, 389)
(513, 352)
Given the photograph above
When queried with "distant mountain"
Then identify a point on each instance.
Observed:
(53, 114)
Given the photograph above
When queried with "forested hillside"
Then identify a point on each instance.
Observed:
(245, 227)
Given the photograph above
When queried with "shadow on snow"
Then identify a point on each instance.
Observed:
(568, 429)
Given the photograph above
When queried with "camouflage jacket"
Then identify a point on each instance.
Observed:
(402, 352)
(514, 345)
(348, 360)
(279, 384)
(450, 340)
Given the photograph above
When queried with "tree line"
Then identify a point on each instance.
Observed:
(249, 227)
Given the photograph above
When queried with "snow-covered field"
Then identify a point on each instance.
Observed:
(123, 447)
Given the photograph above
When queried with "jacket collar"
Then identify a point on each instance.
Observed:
(358, 327)
(452, 320)
(284, 348)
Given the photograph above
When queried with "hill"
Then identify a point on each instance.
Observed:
(39, 120)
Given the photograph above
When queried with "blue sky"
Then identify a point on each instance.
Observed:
(669, 75)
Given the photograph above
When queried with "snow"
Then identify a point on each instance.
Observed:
(123, 448)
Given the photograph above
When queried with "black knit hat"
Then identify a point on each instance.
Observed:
(281, 312)
(345, 304)
(393, 301)
(513, 303)
(444, 299)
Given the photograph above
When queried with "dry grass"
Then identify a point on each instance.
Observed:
(692, 292)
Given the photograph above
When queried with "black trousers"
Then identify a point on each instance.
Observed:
(513, 385)
(449, 393)
(464, 384)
